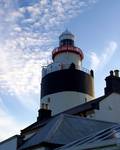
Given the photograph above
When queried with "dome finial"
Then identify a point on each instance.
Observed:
(66, 35)
(66, 31)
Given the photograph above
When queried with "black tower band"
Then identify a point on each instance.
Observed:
(67, 80)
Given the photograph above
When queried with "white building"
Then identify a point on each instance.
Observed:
(70, 117)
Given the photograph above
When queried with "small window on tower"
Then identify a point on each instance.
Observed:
(48, 100)
(85, 99)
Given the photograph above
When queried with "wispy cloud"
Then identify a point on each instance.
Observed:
(27, 33)
(98, 62)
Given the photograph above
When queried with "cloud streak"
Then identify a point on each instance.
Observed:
(8, 125)
(28, 32)
(98, 62)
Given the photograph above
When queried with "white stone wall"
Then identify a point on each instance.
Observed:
(10, 144)
(62, 101)
(68, 58)
(109, 109)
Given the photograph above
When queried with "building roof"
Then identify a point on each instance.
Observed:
(10, 138)
(34, 126)
(93, 104)
(96, 139)
(64, 129)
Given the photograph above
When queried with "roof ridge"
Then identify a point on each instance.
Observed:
(51, 131)
(84, 118)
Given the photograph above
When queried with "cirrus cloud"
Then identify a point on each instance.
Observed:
(98, 62)
(28, 32)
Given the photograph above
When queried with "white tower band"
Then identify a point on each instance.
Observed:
(65, 83)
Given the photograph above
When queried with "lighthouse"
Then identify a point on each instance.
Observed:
(65, 84)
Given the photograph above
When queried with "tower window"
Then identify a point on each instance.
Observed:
(67, 42)
(85, 99)
(48, 99)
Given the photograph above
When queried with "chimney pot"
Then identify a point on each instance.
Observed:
(92, 73)
(46, 106)
(116, 73)
(111, 73)
(42, 106)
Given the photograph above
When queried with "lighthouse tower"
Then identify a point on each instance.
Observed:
(65, 84)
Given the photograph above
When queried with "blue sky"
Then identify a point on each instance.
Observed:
(29, 31)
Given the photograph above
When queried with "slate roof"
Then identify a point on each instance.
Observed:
(63, 129)
(112, 132)
(93, 104)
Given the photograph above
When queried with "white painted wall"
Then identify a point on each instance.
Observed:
(63, 61)
(68, 58)
(109, 109)
(10, 144)
(62, 101)
(55, 67)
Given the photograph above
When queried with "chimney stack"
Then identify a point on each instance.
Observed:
(112, 83)
(111, 73)
(44, 112)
